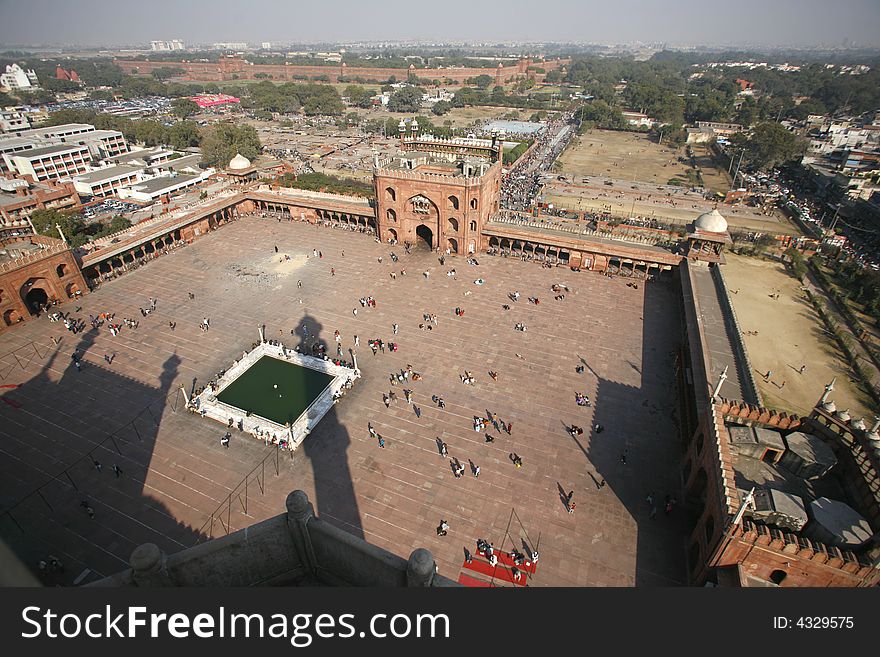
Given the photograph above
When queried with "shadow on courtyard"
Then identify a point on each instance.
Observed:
(62, 440)
(641, 422)
(326, 448)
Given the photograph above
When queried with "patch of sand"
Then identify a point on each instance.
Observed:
(790, 334)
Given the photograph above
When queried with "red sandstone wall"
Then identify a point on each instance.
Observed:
(227, 67)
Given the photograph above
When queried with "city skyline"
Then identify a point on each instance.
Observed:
(786, 23)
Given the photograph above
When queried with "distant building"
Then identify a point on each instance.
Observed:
(13, 119)
(61, 74)
(17, 78)
(164, 46)
(214, 100)
(638, 119)
(107, 181)
(50, 162)
(230, 45)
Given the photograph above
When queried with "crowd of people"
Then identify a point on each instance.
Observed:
(523, 182)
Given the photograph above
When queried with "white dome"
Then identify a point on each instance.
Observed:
(239, 162)
(711, 222)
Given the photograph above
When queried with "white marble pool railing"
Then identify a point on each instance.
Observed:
(207, 404)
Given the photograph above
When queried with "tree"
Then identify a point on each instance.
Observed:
(184, 134)
(483, 81)
(407, 99)
(355, 94)
(183, 107)
(441, 107)
(165, 72)
(224, 140)
(45, 222)
(768, 145)
(553, 77)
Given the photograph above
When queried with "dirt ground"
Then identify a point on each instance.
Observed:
(714, 179)
(789, 334)
(626, 174)
(624, 155)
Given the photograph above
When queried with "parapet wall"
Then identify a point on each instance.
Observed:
(294, 548)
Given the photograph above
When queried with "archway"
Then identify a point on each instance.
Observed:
(61, 270)
(71, 290)
(778, 576)
(11, 316)
(35, 298)
(453, 224)
(392, 234)
(453, 245)
(425, 234)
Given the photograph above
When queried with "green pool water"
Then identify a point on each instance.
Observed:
(255, 390)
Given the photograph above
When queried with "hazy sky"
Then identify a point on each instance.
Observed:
(711, 22)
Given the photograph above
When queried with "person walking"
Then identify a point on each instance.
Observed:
(381, 442)
(476, 471)
(395, 328)
(117, 471)
(442, 528)
(225, 440)
(97, 465)
(444, 449)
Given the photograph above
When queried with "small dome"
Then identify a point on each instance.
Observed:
(711, 222)
(843, 415)
(239, 162)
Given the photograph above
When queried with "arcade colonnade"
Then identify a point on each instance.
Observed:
(581, 258)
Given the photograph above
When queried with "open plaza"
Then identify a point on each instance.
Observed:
(177, 474)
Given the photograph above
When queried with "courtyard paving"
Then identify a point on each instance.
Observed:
(175, 473)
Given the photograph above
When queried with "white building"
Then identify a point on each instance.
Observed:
(107, 181)
(638, 119)
(161, 46)
(155, 188)
(17, 78)
(11, 120)
(231, 45)
(50, 162)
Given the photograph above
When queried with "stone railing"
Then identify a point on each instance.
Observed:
(747, 373)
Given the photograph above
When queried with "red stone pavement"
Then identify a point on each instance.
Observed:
(176, 473)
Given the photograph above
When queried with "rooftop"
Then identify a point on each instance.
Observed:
(108, 173)
(155, 185)
(49, 150)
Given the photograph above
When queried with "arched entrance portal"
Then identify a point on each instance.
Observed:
(425, 234)
(11, 316)
(35, 299)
